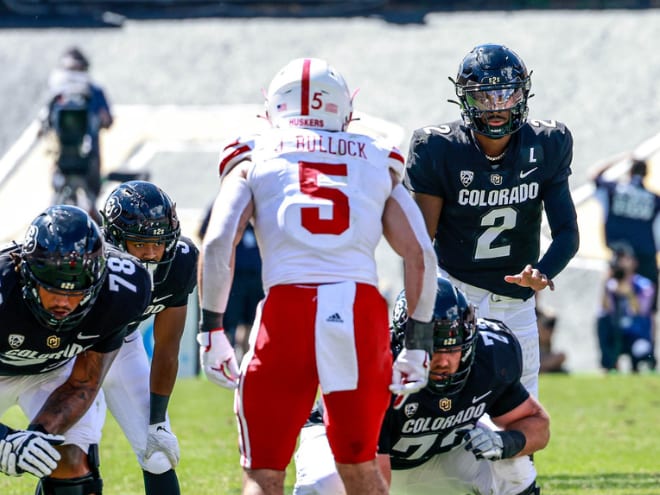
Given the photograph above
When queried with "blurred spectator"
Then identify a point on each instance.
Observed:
(76, 111)
(246, 290)
(551, 361)
(625, 318)
(632, 215)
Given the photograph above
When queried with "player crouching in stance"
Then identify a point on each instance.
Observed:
(432, 442)
(140, 218)
(65, 300)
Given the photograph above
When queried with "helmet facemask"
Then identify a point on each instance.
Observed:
(492, 79)
(450, 335)
(454, 328)
(139, 211)
(63, 252)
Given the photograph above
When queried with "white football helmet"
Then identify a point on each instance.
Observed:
(309, 93)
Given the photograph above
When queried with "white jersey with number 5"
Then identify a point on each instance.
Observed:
(319, 198)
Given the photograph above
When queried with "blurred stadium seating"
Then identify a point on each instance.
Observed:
(139, 8)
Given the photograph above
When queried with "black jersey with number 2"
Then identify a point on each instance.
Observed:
(490, 222)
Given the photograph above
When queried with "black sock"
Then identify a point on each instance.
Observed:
(161, 484)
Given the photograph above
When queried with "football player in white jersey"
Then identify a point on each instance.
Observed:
(320, 199)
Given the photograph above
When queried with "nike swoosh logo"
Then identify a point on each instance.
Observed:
(481, 397)
(85, 337)
(525, 173)
(162, 298)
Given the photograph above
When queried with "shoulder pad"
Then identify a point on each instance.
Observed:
(234, 153)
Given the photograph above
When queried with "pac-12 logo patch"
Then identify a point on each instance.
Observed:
(15, 340)
(410, 409)
(466, 177)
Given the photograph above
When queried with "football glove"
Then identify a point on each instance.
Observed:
(410, 372)
(29, 452)
(161, 439)
(485, 443)
(218, 358)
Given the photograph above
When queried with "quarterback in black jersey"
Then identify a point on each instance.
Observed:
(482, 184)
(140, 218)
(66, 298)
(433, 441)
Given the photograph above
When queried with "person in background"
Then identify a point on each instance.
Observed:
(321, 198)
(66, 298)
(76, 111)
(551, 361)
(483, 183)
(140, 219)
(625, 319)
(631, 214)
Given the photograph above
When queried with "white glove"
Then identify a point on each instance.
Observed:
(29, 451)
(484, 443)
(161, 439)
(8, 459)
(218, 359)
(410, 372)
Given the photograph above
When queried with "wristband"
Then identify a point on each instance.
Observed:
(513, 441)
(419, 335)
(37, 427)
(157, 408)
(210, 320)
(5, 430)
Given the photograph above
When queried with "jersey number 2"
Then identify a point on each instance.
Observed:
(497, 221)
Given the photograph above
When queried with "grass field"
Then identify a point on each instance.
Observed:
(605, 436)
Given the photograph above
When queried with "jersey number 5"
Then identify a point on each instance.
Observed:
(308, 173)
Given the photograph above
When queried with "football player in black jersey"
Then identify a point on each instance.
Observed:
(482, 184)
(140, 218)
(433, 441)
(66, 298)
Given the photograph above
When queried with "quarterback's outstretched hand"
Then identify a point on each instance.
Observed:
(218, 358)
(485, 443)
(161, 439)
(410, 372)
(29, 452)
(532, 278)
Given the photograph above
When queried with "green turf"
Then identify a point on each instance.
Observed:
(605, 434)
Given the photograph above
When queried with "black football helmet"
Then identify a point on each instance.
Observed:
(64, 252)
(454, 325)
(140, 211)
(492, 78)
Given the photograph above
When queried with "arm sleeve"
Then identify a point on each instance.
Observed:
(218, 246)
(424, 310)
(562, 218)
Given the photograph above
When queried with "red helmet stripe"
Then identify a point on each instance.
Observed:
(304, 89)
